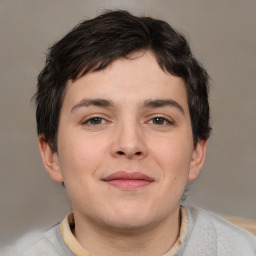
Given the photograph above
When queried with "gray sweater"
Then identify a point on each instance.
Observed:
(207, 234)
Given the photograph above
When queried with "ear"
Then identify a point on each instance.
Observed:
(197, 161)
(50, 160)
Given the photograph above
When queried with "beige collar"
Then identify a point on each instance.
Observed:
(68, 223)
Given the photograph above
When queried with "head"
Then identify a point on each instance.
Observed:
(123, 119)
(94, 44)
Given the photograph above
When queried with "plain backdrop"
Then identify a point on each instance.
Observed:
(222, 36)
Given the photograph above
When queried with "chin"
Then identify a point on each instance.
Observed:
(134, 219)
(130, 226)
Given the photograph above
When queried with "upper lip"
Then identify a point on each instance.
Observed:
(123, 175)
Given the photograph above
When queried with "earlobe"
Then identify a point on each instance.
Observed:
(197, 160)
(50, 160)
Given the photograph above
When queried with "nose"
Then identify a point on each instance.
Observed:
(129, 142)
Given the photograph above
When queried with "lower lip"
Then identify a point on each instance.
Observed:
(129, 184)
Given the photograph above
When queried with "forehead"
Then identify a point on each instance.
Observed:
(137, 78)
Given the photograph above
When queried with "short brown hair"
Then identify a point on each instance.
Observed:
(94, 44)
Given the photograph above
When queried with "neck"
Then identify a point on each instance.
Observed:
(154, 240)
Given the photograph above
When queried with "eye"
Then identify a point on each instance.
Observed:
(95, 121)
(159, 121)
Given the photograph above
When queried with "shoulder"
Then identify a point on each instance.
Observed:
(48, 243)
(224, 237)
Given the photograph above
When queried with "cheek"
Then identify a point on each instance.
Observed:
(173, 155)
(80, 156)
(80, 161)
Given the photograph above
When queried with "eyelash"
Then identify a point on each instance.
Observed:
(89, 121)
(164, 120)
(100, 120)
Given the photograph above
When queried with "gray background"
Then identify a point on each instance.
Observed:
(222, 35)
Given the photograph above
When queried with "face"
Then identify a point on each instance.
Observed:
(125, 145)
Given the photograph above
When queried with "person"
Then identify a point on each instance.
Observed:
(123, 122)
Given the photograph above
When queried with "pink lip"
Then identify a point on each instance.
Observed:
(128, 180)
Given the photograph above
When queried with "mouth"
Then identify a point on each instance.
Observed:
(128, 180)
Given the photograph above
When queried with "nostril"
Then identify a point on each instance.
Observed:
(121, 153)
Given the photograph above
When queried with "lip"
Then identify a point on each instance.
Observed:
(128, 180)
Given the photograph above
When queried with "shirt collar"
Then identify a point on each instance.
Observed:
(68, 224)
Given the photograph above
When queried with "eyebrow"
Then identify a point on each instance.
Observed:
(162, 103)
(93, 102)
(158, 103)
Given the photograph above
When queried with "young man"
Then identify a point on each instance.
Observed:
(123, 121)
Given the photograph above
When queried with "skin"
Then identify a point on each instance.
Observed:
(126, 133)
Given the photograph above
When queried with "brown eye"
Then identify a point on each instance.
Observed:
(159, 120)
(95, 121)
